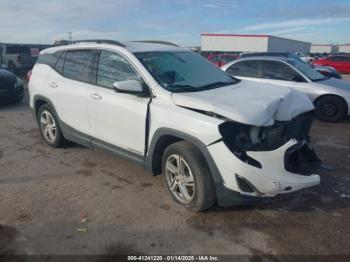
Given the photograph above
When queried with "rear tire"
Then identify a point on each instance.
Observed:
(49, 126)
(330, 109)
(187, 177)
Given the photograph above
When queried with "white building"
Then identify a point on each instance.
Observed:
(251, 43)
(316, 48)
(344, 48)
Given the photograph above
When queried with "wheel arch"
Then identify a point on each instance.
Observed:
(164, 137)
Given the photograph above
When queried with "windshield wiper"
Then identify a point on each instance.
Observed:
(183, 88)
(217, 84)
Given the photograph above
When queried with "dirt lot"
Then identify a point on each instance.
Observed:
(44, 192)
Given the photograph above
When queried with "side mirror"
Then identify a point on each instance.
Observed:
(129, 87)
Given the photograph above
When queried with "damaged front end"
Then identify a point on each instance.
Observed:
(281, 152)
(240, 139)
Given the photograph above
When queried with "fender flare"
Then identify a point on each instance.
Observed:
(161, 132)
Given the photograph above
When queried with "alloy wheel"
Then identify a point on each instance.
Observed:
(179, 178)
(48, 126)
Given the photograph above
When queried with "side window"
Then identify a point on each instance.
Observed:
(60, 62)
(245, 68)
(79, 65)
(49, 59)
(113, 68)
(279, 71)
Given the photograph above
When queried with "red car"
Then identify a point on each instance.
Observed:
(340, 62)
(221, 59)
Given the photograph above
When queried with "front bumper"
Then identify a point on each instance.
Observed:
(268, 181)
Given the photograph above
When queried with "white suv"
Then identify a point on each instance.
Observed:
(213, 137)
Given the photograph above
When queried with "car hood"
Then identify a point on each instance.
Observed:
(248, 102)
(338, 83)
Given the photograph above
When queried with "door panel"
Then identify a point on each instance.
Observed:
(70, 100)
(117, 118)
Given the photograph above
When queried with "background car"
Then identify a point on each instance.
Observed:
(11, 87)
(222, 59)
(341, 62)
(330, 96)
(324, 70)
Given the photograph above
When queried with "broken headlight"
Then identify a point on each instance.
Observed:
(240, 138)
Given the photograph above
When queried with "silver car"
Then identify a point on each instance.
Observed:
(330, 96)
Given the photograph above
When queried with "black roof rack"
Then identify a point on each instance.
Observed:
(156, 42)
(98, 41)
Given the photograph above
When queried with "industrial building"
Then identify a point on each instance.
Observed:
(316, 48)
(344, 48)
(251, 43)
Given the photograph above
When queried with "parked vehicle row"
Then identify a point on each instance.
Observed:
(214, 138)
(19, 57)
(340, 62)
(11, 87)
(330, 96)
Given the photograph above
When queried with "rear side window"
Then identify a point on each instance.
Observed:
(113, 68)
(245, 68)
(49, 59)
(60, 62)
(79, 65)
(279, 71)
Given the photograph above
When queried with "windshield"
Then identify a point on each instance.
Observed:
(307, 70)
(184, 71)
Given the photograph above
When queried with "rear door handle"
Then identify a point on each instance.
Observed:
(53, 84)
(95, 96)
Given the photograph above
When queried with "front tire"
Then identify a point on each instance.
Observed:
(49, 127)
(186, 176)
(330, 109)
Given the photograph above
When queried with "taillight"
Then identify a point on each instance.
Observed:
(29, 74)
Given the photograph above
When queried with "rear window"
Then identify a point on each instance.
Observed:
(18, 50)
(49, 59)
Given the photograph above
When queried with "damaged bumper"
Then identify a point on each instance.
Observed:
(283, 170)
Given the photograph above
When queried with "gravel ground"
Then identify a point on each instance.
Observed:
(45, 192)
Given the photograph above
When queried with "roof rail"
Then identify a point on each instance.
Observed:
(98, 41)
(156, 42)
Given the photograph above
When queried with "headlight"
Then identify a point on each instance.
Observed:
(240, 138)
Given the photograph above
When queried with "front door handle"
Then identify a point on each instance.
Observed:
(95, 96)
(53, 84)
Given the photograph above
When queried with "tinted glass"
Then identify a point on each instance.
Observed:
(184, 71)
(60, 62)
(49, 59)
(279, 71)
(112, 68)
(79, 64)
(307, 70)
(18, 50)
(245, 68)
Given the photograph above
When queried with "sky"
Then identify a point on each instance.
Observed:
(179, 21)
